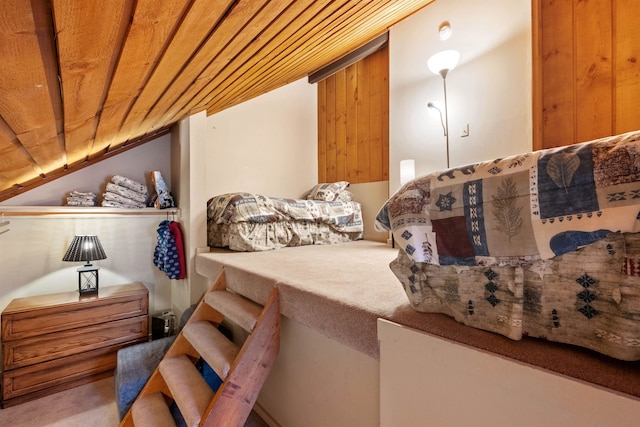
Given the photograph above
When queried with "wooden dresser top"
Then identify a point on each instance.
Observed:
(66, 298)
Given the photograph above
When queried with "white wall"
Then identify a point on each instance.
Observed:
(31, 255)
(490, 89)
(267, 145)
(423, 377)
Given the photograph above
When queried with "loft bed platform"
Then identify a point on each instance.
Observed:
(341, 290)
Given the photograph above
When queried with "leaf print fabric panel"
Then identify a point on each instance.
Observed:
(565, 182)
(507, 215)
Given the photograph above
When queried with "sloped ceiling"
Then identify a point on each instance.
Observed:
(84, 79)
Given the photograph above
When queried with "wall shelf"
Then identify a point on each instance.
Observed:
(17, 211)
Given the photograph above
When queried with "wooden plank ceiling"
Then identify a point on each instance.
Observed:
(83, 80)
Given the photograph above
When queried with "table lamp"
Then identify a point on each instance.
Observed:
(86, 248)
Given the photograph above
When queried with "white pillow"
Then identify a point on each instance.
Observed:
(327, 191)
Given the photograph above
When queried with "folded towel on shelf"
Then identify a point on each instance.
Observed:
(130, 184)
(77, 198)
(126, 192)
(110, 199)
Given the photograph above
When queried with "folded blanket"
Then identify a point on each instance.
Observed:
(116, 200)
(77, 198)
(127, 193)
(130, 184)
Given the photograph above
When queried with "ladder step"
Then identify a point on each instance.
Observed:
(152, 410)
(212, 346)
(237, 308)
(189, 390)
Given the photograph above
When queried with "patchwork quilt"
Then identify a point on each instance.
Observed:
(253, 222)
(543, 244)
(519, 209)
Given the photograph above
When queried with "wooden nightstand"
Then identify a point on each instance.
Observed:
(59, 341)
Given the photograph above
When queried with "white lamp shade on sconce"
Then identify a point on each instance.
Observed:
(445, 60)
(407, 171)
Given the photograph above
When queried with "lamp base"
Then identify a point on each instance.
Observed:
(88, 280)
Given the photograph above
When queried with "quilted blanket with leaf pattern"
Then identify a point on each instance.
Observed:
(543, 244)
(519, 209)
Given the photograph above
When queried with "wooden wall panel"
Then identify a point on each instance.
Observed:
(594, 77)
(627, 65)
(322, 130)
(586, 71)
(353, 128)
(557, 61)
(351, 166)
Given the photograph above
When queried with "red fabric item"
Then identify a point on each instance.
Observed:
(174, 229)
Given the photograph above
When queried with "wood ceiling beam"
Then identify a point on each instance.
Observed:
(28, 91)
(151, 31)
(202, 17)
(89, 40)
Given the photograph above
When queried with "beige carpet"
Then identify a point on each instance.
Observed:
(342, 290)
(91, 404)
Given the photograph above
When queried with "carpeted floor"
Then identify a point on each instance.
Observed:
(88, 405)
(91, 404)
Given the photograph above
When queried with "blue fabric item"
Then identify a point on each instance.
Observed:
(135, 364)
(166, 256)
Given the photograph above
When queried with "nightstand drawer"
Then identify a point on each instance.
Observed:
(20, 323)
(53, 376)
(40, 349)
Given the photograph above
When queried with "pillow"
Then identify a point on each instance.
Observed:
(345, 196)
(327, 191)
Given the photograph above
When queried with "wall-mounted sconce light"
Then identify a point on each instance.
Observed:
(407, 170)
(441, 63)
(444, 30)
(87, 249)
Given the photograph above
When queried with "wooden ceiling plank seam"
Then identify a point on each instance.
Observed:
(250, 95)
(25, 104)
(192, 33)
(359, 38)
(236, 26)
(311, 47)
(150, 33)
(282, 55)
(284, 45)
(236, 48)
(243, 60)
(43, 18)
(289, 56)
(123, 33)
(171, 41)
(87, 42)
(14, 158)
(293, 74)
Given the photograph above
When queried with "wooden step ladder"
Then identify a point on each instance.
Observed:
(243, 370)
